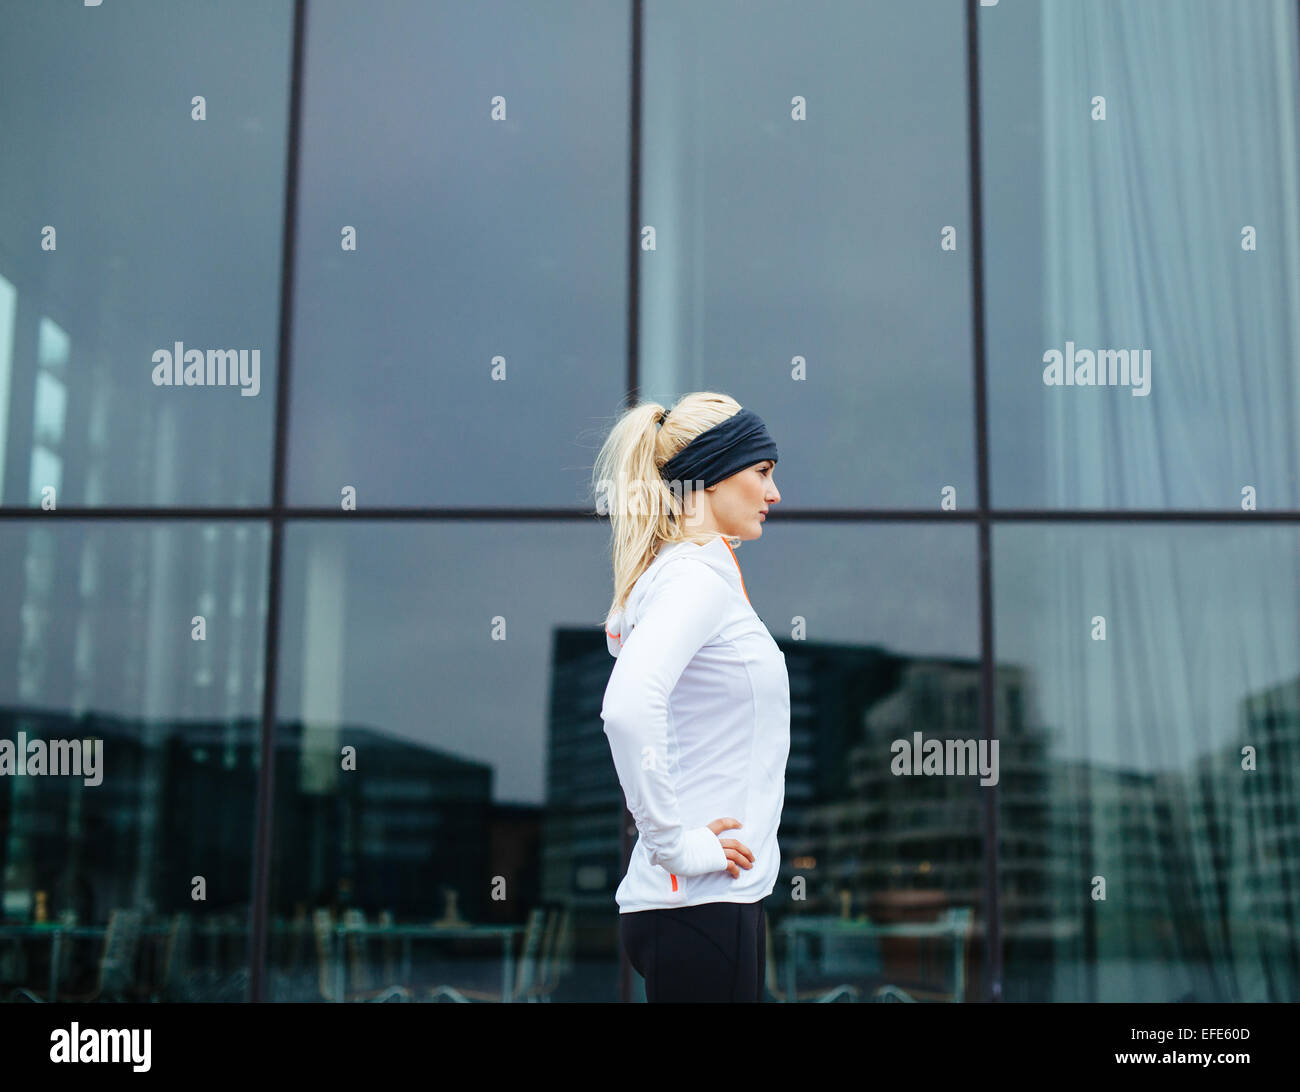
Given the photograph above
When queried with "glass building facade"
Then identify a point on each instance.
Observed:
(313, 316)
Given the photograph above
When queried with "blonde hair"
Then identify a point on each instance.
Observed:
(644, 513)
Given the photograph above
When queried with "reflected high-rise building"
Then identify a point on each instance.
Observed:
(384, 569)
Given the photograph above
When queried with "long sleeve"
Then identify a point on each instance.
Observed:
(682, 612)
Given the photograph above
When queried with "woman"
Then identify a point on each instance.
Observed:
(697, 709)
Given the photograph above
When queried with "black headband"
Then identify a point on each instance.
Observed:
(721, 451)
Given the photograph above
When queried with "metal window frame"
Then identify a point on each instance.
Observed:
(275, 515)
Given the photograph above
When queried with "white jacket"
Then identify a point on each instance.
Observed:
(697, 713)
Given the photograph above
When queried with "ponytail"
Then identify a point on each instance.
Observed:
(644, 513)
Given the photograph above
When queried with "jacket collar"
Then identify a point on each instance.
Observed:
(716, 553)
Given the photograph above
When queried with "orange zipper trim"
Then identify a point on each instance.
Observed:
(742, 575)
(674, 876)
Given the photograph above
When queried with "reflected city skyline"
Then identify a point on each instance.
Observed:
(455, 273)
(406, 831)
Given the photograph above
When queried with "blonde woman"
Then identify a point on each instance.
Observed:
(697, 709)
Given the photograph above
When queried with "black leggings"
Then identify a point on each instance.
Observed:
(715, 951)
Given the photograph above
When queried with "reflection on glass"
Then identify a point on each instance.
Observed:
(130, 682)
(1123, 235)
(422, 683)
(1149, 713)
(881, 891)
(448, 817)
(461, 271)
(801, 182)
(133, 219)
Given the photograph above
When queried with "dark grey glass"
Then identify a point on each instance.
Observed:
(445, 793)
(1149, 722)
(798, 265)
(458, 354)
(1169, 228)
(166, 239)
(880, 895)
(131, 881)
(431, 675)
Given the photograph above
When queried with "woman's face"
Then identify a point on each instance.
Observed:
(737, 503)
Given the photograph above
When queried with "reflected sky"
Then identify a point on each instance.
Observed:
(776, 239)
(818, 239)
(167, 228)
(389, 625)
(475, 240)
(1198, 621)
(1142, 230)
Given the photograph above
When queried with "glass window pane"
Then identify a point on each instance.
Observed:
(131, 881)
(881, 895)
(801, 173)
(1149, 721)
(1142, 256)
(480, 320)
(440, 740)
(141, 209)
(427, 672)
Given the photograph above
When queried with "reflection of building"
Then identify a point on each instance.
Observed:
(408, 825)
(1260, 867)
(1026, 861)
(80, 846)
(1195, 861)
(873, 831)
(1196, 865)
(848, 823)
(581, 857)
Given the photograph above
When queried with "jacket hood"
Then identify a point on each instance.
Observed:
(717, 554)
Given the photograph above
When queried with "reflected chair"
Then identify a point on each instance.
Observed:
(892, 984)
(360, 949)
(173, 978)
(116, 970)
(292, 974)
(820, 994)
(328, 962)
(915, 989)
(562, 954)
(525, 970)
(298, 931)
(890, 992)
(229, 972)
(556, 957)
(390, 946)
(13, 960)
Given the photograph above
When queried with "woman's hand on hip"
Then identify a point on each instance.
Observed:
(738, 854)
